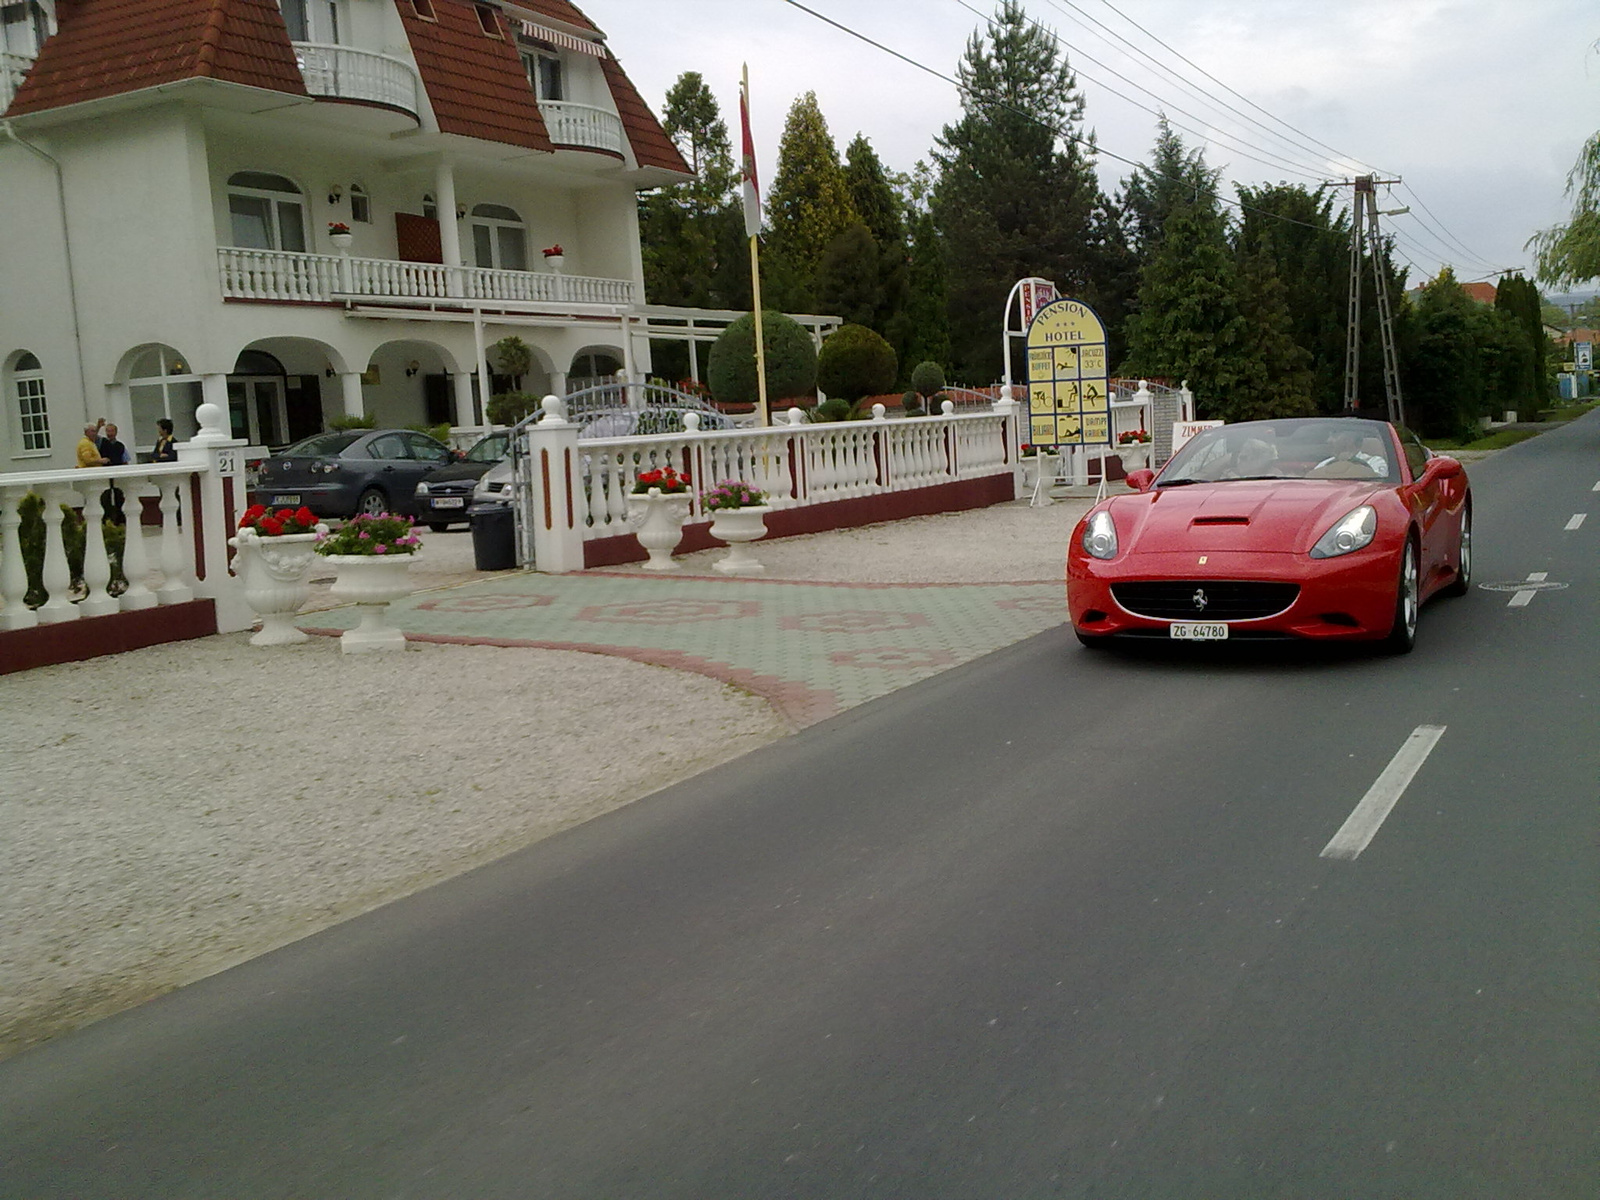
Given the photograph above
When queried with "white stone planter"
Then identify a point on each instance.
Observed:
(657, 518)
(342, 241)
(738, 526)
(275, 572)
(1134, 455)
(373, 582)
(555, 262)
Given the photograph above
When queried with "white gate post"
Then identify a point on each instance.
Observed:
(556, 508)
(218, 458)
(1010, 433)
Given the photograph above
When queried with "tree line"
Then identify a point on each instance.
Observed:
(1245, 297)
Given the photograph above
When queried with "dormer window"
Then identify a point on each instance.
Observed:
(423, 9)
(488, 20)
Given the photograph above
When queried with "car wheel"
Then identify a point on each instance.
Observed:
(1462, 583)
(439, 526)
(372, 502)
(1407, 601)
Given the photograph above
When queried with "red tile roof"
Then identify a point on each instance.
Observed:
(1483, 293)
(476, 82)
(108, 47)
(651, 145)
(559, 10)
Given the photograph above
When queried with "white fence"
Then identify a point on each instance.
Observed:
(352, 74)
(575, 491)
(582, 125)
(186, 558)
(323, 278)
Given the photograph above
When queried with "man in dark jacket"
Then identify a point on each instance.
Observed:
(116, 455)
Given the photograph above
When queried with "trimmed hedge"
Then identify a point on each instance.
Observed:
(856, 362)
(791, 361)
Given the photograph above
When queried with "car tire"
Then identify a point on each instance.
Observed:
(1462, 583)
(439, 526)
(372, 502)
(1407, 603)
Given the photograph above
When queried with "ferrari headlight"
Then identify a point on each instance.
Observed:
(1100, 536)
(1350, 532)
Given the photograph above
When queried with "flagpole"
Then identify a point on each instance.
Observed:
(752, 225)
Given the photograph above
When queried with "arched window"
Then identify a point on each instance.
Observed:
(161, 384)
(266, 212)
(33, 414)
(430, 207)
(499, 238)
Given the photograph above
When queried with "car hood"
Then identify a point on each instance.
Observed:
(460, 470)
(1270, 515)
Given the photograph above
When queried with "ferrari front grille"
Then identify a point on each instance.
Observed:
(1205, 599)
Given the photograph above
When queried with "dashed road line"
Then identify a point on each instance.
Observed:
(1522, 598)
(1363, 823)
(1577, 520)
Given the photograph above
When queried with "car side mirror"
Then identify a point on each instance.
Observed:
(1442, 467)
(1141, 479)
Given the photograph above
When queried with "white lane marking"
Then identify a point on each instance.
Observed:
(1577, 520)
(1368, 816)
(1595, 488)
(1522, 598)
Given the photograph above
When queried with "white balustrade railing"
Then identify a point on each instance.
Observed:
(321, 278)
(162, 573)
(13, 69)
(794, 464)
(582, 125)
(349, 74)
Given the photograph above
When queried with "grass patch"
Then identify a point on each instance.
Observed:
(1571, 412)
(1495, 441)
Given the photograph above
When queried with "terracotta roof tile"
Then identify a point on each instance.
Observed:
(1483, 293)
(476, 82)
(109, 47)
(559, 10)
(651, 145)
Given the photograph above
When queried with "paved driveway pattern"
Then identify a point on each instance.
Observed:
(811, 649)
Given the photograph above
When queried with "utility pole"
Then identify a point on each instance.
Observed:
(1364, 227)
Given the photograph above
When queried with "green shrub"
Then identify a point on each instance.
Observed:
(513, 356)
(510, 407)
(927, 378)
(911, 404)
(347, 422)
(791, 361)
(833, 409)
(439, 433)
(855, 362)
(74, 538)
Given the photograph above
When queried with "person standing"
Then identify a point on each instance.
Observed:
(89, 448)
(113, 454)
(166, 448)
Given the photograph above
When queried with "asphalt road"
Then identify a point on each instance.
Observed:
(1056, 923)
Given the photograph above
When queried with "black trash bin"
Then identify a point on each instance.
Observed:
(494, 537)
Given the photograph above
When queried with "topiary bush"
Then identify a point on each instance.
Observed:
(832, 409)
(911, 404)
(510, 407)
(791, 360)
(855, 362)
(927, 378)
(513, 356)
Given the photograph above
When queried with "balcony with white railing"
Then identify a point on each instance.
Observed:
(344, 73)
(327, 278)
(582, 125)
(13, 68)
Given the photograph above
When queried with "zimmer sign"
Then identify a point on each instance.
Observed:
(1069, 399)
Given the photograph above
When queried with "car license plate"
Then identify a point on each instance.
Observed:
(450, 502)
(1198, 631)
(291, 499)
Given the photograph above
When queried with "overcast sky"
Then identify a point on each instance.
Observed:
(1481, 106)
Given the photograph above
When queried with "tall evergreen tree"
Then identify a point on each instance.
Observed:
(680, 227)
(1277, 369)
(1017, 192)
(1520, 298)
(1176, 175)
(807, 206)
(883, 212)
(927, 307)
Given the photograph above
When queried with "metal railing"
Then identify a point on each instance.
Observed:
(322, 278)
(582, 125)
(350, 74)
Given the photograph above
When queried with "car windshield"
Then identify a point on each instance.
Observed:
(324, 445)
(490, 449)
(1302, 448)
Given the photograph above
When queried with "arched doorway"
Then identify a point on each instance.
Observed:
(257, 400)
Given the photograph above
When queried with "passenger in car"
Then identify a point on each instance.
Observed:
(1345, 445)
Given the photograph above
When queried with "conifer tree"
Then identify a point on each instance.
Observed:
(807, 207)
(1017, 193)
(882, 211)
(1175, 175)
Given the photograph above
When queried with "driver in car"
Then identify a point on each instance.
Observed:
(1346, 447)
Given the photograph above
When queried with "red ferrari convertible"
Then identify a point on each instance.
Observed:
(1327, 529)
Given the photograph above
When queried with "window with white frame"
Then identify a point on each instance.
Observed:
(544, 73)
(25, 27)
(161, 384)
(499, 238)
(312, 20)
(360, 204)
(266, 212)
(33, 414)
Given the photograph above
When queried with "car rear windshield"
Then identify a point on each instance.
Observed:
(1299, 448)
(324, 445)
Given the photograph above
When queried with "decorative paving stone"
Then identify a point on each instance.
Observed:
(670, 612)
(489, 602)
(853, 622)
(1035, 603)
(893, 658)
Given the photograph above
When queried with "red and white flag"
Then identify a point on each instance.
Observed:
(752, 189)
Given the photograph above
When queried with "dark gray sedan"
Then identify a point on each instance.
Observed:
(341, 474)
(443, 496)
